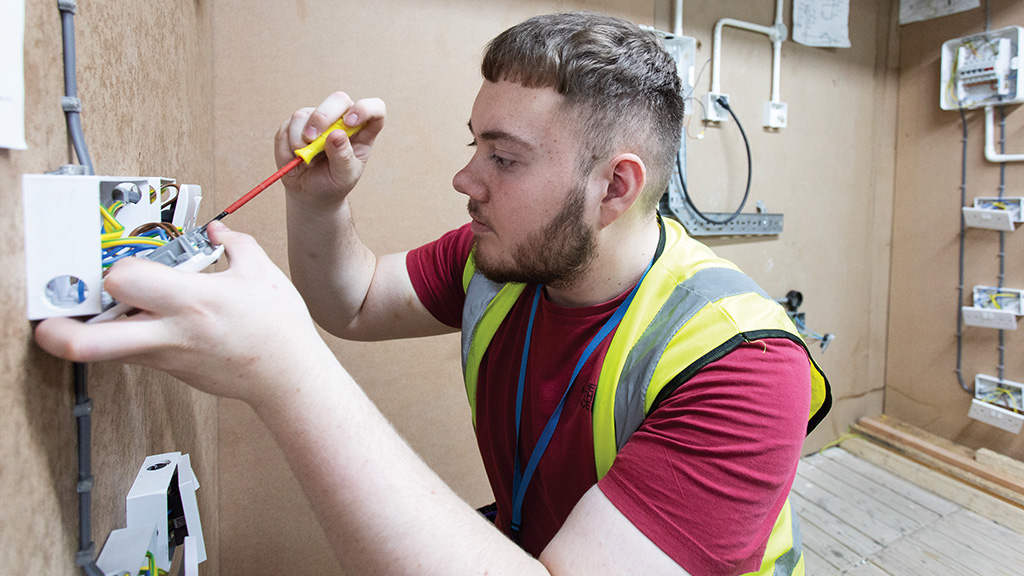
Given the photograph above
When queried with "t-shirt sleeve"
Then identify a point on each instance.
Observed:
(436, 272)
(707, 473)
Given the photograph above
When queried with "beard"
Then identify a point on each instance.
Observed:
(557, 255)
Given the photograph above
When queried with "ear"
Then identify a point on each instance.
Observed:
(627, 176)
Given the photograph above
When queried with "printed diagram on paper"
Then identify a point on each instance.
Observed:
(12, 77)
(822, 23)
(917, 10)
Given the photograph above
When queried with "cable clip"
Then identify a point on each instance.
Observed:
(67, 6)
(85, 485)
(83, 409)
(84, 556)
(71, 104)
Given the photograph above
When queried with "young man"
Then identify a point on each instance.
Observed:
(639, 403)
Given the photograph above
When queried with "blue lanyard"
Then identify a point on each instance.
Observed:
(521, 478)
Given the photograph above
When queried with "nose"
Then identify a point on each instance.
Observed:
(466, 182)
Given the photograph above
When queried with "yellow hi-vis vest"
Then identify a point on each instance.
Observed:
(691, 309)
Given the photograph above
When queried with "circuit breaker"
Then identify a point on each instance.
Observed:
(70, 219)
(982, 70)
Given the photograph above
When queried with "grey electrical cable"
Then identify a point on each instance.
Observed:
(1002, 235)
(85, 557)
(71, 103)
(963, 231)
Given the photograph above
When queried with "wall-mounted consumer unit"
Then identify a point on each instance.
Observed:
(994, 213)
(982, 69)
(75, 226)
(994, 308)
(999, 403)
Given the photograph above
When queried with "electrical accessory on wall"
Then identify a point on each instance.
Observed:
(791, 303)
(982, 70)
(677, 203)
(994, 213)
(162, 515)
(999, 403)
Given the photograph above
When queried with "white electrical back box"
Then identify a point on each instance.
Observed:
(63, 228)
(164, 494)
(982, 70)
(999, 403)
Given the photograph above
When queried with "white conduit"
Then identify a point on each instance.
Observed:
(990, 147)
(776, 33)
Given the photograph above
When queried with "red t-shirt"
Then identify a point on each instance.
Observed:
(705, 475)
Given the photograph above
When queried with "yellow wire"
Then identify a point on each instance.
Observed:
(132, 240)
(112, 229)
(1004, 391)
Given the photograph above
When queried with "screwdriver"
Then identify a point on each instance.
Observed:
(304, 154)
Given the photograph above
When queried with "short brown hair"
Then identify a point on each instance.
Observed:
(616, 78)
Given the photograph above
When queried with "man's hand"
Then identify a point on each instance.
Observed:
(329, 178)
(241, 333)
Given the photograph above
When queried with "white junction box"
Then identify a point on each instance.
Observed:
(63, 228)
(995, 307)
(775, 114)
(164, 494)
(982, 69)
(995, 213)
(999, 403)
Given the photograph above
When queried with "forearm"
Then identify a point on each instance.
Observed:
(329, 264)
(383, 510)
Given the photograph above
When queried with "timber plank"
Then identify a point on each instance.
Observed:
(856, 540)
(866, 568)
(986, 537)
(883, 494)
(963, 551)
(880, 522)
(815, 565)
(828, 547)
(950, 488)
(908, 558)
(908, 489)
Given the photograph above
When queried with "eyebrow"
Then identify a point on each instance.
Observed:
(492, 135)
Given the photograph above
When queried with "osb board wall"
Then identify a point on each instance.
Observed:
(921, 386)
(830, 172)
(144, 77)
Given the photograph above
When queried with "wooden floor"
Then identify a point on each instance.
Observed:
(895, 517)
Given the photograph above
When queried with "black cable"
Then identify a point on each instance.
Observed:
(71, 104)
(83, 412)
(963, 231)
(750, 168)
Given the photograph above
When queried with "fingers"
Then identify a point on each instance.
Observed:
(79, 342)
(243, 252)
(322, 117)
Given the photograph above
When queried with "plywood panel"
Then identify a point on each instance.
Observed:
(921, 385)
(145, 81)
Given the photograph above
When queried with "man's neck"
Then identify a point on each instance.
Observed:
(622, 257)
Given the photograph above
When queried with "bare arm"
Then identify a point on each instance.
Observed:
(350, 291)
(245, 333)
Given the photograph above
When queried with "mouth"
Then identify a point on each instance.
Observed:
(479, 225)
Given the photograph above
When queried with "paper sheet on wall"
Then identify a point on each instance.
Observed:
(12, 74)
(917, 10)
(822, 23)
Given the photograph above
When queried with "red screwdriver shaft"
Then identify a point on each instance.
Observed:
(259, 188)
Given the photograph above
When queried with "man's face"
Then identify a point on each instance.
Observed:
(528, 201)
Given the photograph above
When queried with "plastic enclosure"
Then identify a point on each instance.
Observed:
(63, 270)
(164, 494)
(775, 114)
(994, 307)
(998, 403)
(683, 50)
(995, 213)
(981, 69)
(125, 550)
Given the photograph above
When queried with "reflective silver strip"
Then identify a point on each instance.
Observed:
(479, 294)
(786, 564)
(704, 287)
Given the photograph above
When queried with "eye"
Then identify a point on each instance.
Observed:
(502, 162)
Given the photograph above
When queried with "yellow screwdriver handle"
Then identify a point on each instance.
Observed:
(310, 151)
